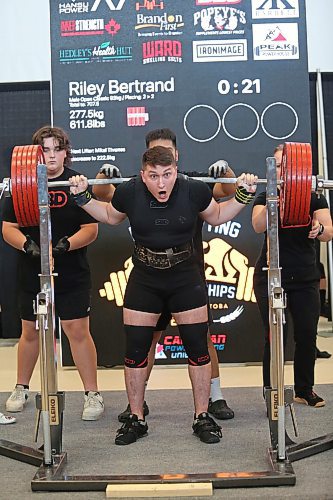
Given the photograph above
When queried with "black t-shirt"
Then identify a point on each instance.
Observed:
(162, 225)
(66, 219)
(297, 252)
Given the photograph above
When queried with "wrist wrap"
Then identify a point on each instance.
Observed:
(83, 198)
(243, 196)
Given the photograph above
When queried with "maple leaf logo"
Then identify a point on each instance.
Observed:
(112, 27)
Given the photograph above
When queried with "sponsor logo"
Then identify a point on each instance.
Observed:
(73, 7)
(220, 21)
(113, 5)
(83, 27)
(271, 41)
(105, 52)
(274, 8)
(219, 50)
(159, 352)
(159, 25)
(217, 2)
(137, 117)
(149, 5)
(161, 51)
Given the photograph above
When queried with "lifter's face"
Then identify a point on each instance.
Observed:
(278, 159)
(160, 180)
(166, 143)
(54, 157)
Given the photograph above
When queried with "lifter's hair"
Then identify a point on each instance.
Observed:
(278, 148)
(161, 133)
(158, 155)
(56, 133)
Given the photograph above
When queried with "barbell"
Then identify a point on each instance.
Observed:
(296, 183)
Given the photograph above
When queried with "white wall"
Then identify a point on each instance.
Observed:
(25, 38)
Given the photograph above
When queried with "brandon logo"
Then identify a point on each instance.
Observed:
(162, 51)
(158, 25)
(274, 8)
(271, 41)
(220, 21)
(219, 50)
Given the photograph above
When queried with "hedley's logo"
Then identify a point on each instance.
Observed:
(73, 7)
(88, 27)
(220, 21)
(149, 5)
(105, 52)
(113, 5)
(159, 24)
(271, 41)
(275, 8)
(161, 51)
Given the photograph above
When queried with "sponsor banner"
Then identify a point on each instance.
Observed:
(121, 68)
(262, 9)
(219, 50)
(275, 41)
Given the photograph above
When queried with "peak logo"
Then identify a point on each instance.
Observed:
(149, 5)
(274, 8)
(273, 42)
(162, 51)
(220, 21)
(111, 4)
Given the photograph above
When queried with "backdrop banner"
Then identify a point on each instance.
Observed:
(230, 79)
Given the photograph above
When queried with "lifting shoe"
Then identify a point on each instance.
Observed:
(131, 430)
(206, 429)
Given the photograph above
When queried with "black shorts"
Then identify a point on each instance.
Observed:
(68, 305)
(177, 289)
(166, 317)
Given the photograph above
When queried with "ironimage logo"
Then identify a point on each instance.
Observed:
(219, 50)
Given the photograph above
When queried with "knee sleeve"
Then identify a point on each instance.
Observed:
(138, 342)
(194, 339)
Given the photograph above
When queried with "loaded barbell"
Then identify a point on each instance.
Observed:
(296, 183)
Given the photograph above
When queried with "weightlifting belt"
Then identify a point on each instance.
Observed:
(163, 259)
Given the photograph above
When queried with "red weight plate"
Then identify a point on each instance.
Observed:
(25, 183)
(32, 188)
(16, 180)
(295, 196)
